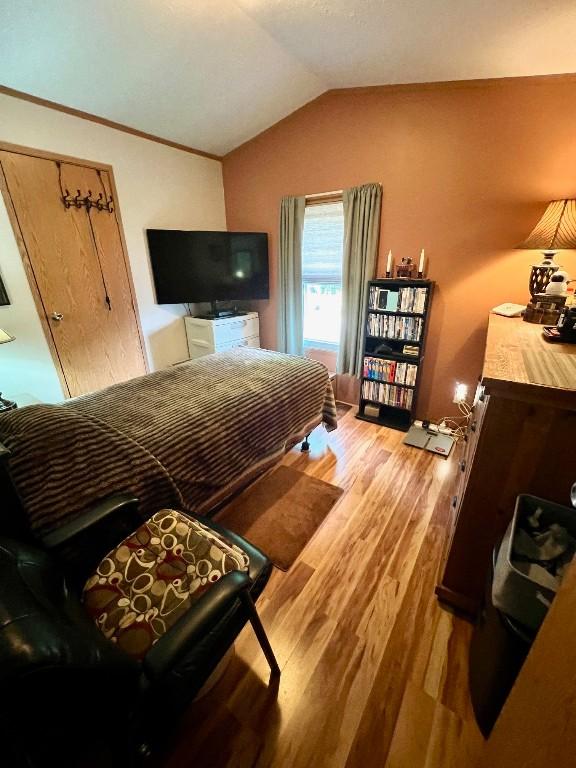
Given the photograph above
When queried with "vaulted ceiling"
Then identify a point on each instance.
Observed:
(213, 73)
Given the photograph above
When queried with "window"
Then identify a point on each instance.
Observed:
(322, 247)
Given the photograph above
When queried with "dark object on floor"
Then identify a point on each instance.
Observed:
(430, 439)
(51, 650)
(497, 652)
(342, 409)
(280, 512)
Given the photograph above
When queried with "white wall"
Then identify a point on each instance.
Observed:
(158, 187)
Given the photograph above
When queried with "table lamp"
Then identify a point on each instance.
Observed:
(5, 405)
(555, 230)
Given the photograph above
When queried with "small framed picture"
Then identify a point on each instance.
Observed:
(4, 300)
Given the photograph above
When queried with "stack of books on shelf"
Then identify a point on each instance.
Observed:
(390, 370)
(398, 300)
(391, 327)
(412, 300)
(387, 394)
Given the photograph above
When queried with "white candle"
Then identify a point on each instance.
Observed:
(421, 264)
(389, 263)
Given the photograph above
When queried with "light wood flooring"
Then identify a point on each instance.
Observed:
(374, 672)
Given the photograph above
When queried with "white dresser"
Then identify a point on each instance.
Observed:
(207, 336)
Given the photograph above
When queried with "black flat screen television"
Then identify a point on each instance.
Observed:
(190, 267)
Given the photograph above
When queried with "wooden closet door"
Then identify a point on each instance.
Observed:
(118, 314)
(75, 267)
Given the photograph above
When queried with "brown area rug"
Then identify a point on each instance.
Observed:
(280, 513)
(342, 409)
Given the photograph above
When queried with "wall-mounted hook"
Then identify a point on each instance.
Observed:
(67, 199)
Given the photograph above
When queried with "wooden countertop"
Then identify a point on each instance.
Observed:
(519, 363)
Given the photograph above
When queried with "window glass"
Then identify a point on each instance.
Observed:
(322, 274)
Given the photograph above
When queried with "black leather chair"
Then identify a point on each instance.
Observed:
(84, 699)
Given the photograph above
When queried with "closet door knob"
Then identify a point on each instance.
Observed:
(57, 316)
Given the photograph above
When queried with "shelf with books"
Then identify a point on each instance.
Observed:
(401, 296)
(390, 371)
(385, 381)
(394, 326)
(397, 315)
(386, 393)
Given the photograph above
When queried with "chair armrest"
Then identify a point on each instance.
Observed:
(84, 522)
(14, 522)
(195, 624)
(81, 544)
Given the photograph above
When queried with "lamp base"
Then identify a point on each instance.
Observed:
(541, 273)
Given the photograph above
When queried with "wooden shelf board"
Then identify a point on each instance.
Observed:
(388, 338)
(396, 312)
(387, 405)
(414, 359)
(391, 423)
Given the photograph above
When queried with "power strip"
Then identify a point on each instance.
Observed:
(436, 428)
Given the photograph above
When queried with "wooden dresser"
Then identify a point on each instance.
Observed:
(521, 439)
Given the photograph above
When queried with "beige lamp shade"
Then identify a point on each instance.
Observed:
(4, 337)
(556, 229)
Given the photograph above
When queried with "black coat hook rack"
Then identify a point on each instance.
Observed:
(100, 203)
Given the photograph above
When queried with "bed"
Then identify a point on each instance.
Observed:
(187, 437)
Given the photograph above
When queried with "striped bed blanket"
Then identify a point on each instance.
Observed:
(183, 437)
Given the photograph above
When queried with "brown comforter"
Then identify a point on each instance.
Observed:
(184, 436)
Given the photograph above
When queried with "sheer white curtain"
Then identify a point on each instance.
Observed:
(290, 335)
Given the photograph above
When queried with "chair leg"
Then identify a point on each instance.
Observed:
(260, 633)
(305, 447)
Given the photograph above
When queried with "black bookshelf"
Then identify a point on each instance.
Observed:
(396, 318)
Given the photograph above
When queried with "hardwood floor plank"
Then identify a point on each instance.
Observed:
(428, 734)
(374, 671)
(409, 639)
(409, 746)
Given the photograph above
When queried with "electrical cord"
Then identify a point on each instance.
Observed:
(458, 424)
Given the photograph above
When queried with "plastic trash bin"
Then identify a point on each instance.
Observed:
(498, 649)
(514, 592)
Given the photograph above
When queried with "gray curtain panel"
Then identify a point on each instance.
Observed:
(361, 232)
(290, 336)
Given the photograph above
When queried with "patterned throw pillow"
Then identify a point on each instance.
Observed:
(151, 579)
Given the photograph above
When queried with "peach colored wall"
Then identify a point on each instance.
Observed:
(467, 169)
